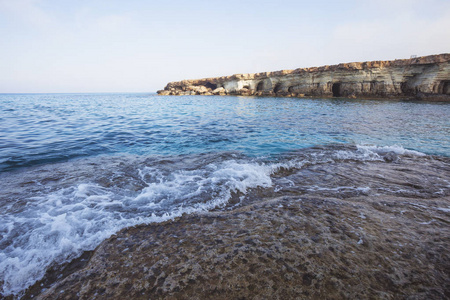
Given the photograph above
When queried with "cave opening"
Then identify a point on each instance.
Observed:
(336, 89)
(444, 87)
(210, 85)
(277, 87)
(260, 86)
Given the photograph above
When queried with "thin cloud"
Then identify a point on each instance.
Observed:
(26, 12)
(76, 46)
(400, 36)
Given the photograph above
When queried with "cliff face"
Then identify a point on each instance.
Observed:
(426, 77)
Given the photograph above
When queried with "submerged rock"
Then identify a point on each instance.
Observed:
(283, 248)
(372, 228)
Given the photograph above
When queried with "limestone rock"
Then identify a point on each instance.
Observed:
(245, 92)
(426, 77)
(278, 249)
(387, 242)
(219, 91)
(163, 92)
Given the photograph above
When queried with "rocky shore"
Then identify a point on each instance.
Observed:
(285, 248)
(387, 241)
(426, 77)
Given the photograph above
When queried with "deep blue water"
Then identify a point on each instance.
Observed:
(76, 168)
(42, 128)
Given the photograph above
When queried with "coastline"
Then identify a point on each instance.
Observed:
(56, 209)
(420, 78)
(278, 248)
(350, 242)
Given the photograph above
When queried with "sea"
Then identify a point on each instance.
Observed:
(77, 168)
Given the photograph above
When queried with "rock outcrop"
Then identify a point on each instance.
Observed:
(280, 249)
(426, 77)
(389, 241)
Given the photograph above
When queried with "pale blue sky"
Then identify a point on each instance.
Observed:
(139, 46)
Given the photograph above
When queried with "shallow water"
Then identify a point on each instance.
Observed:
(76, 168)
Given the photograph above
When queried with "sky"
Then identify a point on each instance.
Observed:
(69, 46)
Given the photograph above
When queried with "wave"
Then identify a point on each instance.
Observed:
(58, 226)
(55, 212)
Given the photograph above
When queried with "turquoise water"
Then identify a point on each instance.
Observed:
(77, 168)
(42, 128)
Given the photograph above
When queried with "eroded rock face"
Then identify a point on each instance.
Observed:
(426, 77)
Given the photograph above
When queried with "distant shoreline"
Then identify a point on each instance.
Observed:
(420, 78)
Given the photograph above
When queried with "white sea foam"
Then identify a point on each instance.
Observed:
(447, 210)
(374, 153)
(57, 227)
(386, 149)
(363, 190)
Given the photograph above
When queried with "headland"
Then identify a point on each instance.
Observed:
(424, 78)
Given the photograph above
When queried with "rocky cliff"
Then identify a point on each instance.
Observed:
(426, 77)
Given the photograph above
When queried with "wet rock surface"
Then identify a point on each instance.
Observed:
(345, 229)
(283, 248)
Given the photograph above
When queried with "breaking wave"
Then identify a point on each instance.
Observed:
(68, 208)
